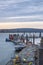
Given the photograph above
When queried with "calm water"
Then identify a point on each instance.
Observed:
(7, 48)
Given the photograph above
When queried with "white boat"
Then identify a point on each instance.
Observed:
(20, 46)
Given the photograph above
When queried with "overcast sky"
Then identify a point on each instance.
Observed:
(21, 10)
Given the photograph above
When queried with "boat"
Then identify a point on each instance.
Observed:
(8, 40)
(13, 38)
(19, 47)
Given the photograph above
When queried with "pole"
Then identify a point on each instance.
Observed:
(33, 38)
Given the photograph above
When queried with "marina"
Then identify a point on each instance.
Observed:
(21, 32)
(20, 48)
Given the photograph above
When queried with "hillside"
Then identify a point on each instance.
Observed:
(20, 30)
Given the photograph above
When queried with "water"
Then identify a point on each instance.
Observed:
(7, 49)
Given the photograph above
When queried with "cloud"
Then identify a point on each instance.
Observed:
(21, 8)
(33, 18)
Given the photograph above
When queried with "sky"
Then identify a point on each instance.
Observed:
(15, 25)
(21, 10)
